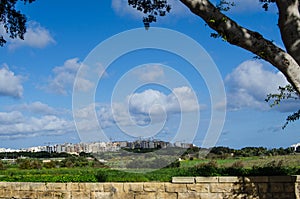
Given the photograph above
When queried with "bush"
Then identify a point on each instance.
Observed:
(237, 164)
(206, 169)
(29, 164)
(2, 165)
(51, 164)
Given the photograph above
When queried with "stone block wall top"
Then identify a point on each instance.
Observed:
(230, 179)
(280, 178)
(206, 179)
(186, 180)
(256, 179)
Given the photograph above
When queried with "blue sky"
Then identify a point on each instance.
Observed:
(37, 80)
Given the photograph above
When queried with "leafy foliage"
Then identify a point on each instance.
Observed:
(151, 8)
(224, 5)
(13, 21)
(285, 93)
(265, 4)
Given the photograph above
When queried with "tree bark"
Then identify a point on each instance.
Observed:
(289, 25)
(247, 39)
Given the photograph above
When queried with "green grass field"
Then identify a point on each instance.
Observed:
(248, 162)
(266, 165)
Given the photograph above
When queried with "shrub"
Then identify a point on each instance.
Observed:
(207, 169)
(2, 165)
(51, 164)
(237, 164)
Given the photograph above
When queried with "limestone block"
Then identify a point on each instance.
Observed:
(262, 187)
(72, 186)
(178, 188)
(24, 194)
(56, 186)
(248, 188)
(198, 187)
(189, 195)
(206, 179)
(113, 187)
(24, 186)
(230, 179)
(80, 195)
(154, 187)
(39, 186)
(182, 180)
(60, 195)
(221, 187)
(296, 178)
(101, 195)
(3, 185)
(208, 196)
(289, 187)
(133, 187)
(283, 196)
(256, 179)
(265, 196)
(146, 195)
(164, 195)
(280, 179)
(96, 187)
(276, 187)
(84, 186)
(123, 195)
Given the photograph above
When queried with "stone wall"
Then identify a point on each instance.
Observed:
(275, 187)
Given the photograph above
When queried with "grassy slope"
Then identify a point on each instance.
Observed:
(248, 162)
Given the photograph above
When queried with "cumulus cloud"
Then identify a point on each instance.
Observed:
(150, 73)
(16, 125)
(36, 36)
(182, 99)
(249, 84)
(139, 108)
(36, 108)
(7, 118)
(10, 84)
(64, 76)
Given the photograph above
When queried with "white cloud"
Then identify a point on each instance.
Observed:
(181, 99)
(64, 77)
(250, 83)
(10, 84)
(10, 117)
(150, 73)
(36, 36)
(37, 108)
(142, 108)
(16, 125)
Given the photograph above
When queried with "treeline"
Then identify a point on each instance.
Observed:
(42, 154)
(225, 152)
(34, 160)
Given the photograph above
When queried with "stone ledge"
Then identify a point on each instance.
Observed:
(280, 179)
(183, 180)
(206, 179)
(256, 179)
(230, 179)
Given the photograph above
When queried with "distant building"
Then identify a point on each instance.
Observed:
(296, 147)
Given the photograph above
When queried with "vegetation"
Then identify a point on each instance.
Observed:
(285, 93)
(221, 161)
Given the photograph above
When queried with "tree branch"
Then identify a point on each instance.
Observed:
(247, 39)
(289, 25)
